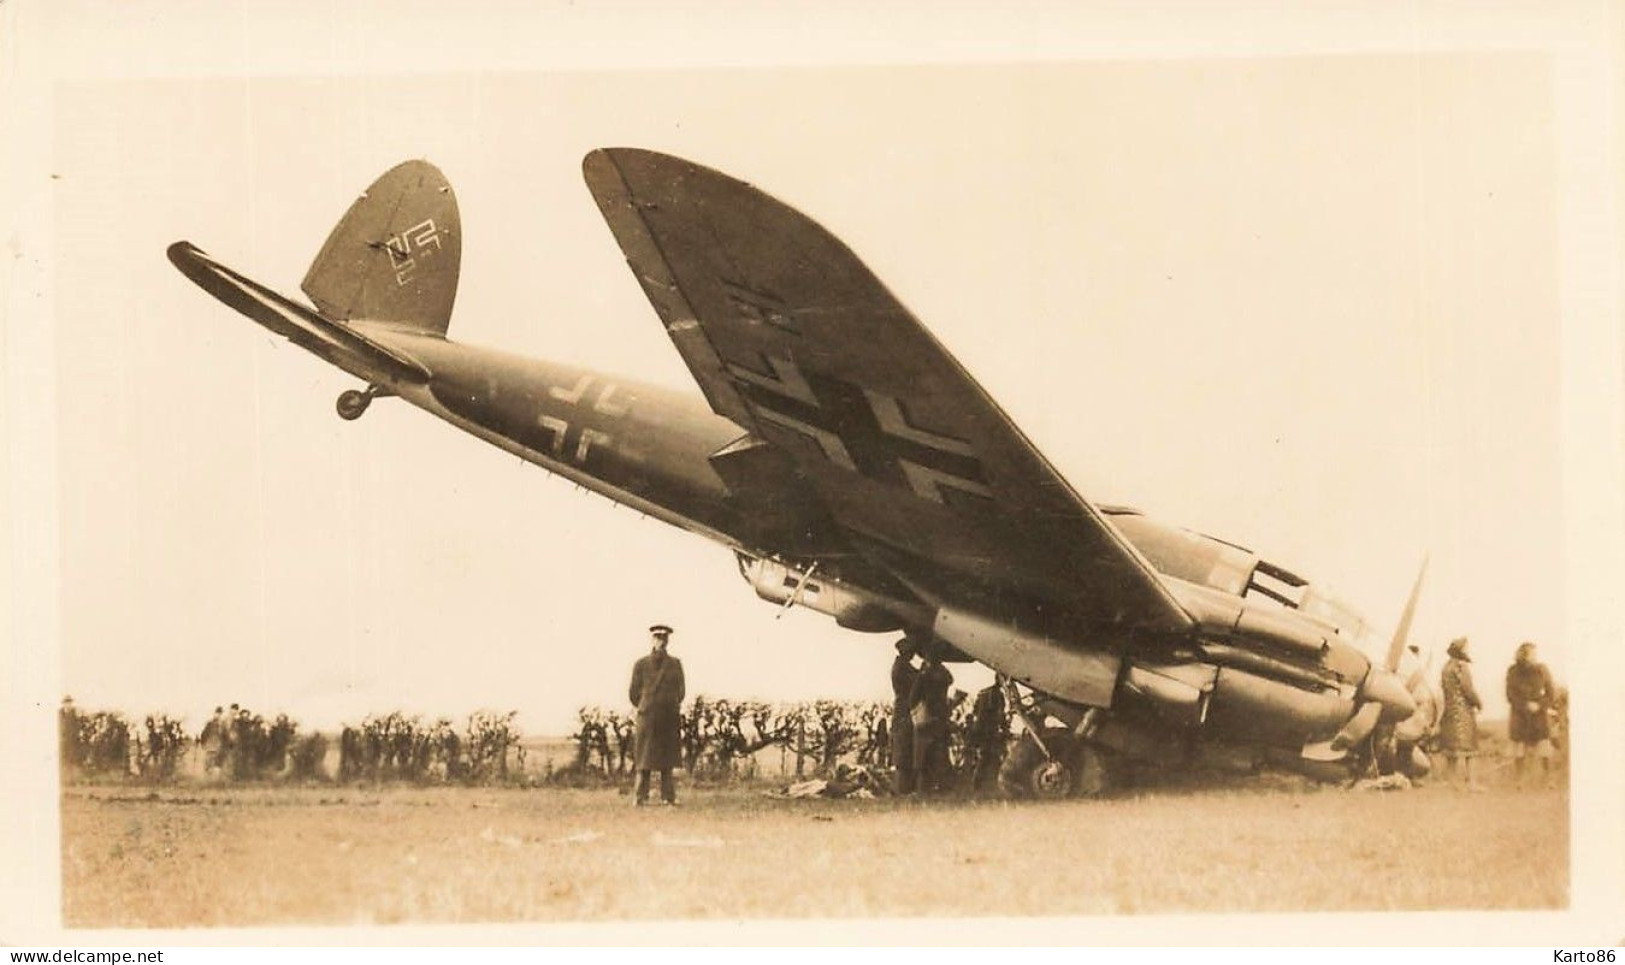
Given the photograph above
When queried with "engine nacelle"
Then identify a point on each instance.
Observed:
(1228, 704)
(852, 608)
(1247, 707)
(1222, 703)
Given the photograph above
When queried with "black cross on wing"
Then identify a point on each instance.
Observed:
(861, 430)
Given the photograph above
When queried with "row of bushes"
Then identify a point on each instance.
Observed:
(721, 738)
(396, 747)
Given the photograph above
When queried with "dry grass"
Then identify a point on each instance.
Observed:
(240, 857)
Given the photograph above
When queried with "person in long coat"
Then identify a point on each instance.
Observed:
(902, 728)
(657, 692)
(213, 741)
(929, 709)
(1530, 693)
(1458, 728)
(986, 737)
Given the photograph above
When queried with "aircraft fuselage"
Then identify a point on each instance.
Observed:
(639, 444)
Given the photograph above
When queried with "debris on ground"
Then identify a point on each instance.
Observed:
(812, 788)
(1387, 782)
(857, 781)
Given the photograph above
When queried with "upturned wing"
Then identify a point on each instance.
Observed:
(793, 338)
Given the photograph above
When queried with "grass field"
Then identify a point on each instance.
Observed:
(210, 857)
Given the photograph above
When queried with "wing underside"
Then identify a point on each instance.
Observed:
(791, 336)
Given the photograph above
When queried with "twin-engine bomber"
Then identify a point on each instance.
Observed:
(856, 469)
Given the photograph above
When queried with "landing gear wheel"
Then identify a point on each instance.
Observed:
(1073, 770)
(1050, 781)
(1016, 772)
(352, 404)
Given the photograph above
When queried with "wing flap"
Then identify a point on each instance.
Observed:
(789, 334)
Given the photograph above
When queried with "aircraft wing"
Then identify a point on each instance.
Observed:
(792, 337)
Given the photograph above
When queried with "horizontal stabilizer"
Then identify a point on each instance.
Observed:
(336, 343)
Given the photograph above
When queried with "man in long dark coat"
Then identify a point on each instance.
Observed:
(902, 729)
(657, 693)
(986, 736)
(929, 709)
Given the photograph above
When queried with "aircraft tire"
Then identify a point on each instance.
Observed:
(1075, 771)
(1051, 780)
(351, 404)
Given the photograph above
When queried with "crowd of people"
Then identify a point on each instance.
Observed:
(921, 707)
(924, 700)
(239, 744)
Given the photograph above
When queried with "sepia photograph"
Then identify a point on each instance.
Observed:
(1135, 479)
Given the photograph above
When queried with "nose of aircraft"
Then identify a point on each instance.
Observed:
(1383, 699)
(1385, 689)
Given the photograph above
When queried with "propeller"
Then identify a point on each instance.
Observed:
(1414, 728)
(1384, 698)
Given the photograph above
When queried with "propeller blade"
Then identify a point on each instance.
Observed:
(1396, 648)
(1359, 726)
(1355, 730)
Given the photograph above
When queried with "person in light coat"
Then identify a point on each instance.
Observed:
(1458, 727)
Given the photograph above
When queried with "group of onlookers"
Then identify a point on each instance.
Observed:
(1538, 715)
(921, 711)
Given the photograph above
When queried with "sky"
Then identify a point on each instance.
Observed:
(1311, 304)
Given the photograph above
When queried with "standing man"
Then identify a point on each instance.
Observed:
(657, 693)
(1530, 694)
(902, 729)
(989, 729)
(929, 712)
(213, 740)
(232, 744)
(68, 740)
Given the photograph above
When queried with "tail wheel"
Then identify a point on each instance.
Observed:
(352, 404)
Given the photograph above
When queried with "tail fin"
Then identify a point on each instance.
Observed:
(395, 255)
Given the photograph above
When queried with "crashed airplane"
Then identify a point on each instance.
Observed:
(855, 468)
